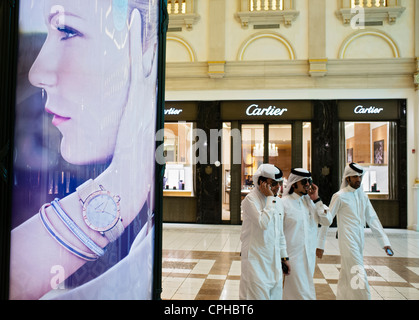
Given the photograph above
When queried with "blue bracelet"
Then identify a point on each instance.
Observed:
(77, 252)
(74, 228)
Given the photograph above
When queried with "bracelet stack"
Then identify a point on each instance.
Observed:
(96, 250)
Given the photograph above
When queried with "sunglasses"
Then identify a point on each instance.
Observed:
(306, 180)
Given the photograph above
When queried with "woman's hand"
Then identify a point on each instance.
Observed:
(131, 173)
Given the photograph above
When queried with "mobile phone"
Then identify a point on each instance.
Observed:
(390, 252)
(284, 268)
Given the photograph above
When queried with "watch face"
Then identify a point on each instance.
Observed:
(101, 212)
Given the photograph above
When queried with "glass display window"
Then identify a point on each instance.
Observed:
(368, 144)
(178, 177)
(280, 147)
(253, 149)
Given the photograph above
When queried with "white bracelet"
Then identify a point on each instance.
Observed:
(74, 228)
(57, 237)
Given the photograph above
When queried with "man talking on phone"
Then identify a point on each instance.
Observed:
(303, 212)
(353, 210)
(263, 243)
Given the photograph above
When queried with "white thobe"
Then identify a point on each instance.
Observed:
(301, 221)
(263, 246)
(353, 210)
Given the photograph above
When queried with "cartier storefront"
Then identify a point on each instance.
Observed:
(213, 148)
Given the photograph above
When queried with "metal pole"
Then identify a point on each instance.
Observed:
(158, 214)
(9, 11)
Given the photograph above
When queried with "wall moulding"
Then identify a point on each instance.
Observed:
(251, 14)
(294, 74)
(285, 18)
(261, 35)
(184, 44)
(390, 12)
(375, 33)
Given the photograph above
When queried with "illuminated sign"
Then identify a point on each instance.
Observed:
(254, 110)
(371, 110)
(173, 111)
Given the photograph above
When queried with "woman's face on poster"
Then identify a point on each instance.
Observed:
(84, 70)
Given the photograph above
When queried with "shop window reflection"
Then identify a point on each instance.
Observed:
(280, 136)
(367, 143)
(252, 153)
(178, 176)
(226, 168)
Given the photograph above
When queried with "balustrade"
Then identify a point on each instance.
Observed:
(266, 5)
(182, 13)
(375, 11)
(368, 3)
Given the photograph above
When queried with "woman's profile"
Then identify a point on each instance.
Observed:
(97, 72)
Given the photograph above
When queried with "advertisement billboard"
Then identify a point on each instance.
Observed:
(83, 195)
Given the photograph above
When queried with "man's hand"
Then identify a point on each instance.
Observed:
(313, 192)
(319, 253)
(389, 251)
(287, 263)
(265, 188)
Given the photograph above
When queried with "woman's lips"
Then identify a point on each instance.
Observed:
(57, 120)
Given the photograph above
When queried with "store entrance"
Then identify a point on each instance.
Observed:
(284, 145)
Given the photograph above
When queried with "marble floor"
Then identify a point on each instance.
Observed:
(202, 262)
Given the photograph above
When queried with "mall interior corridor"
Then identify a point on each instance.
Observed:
(202, 262)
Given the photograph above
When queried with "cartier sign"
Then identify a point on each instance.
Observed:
(368, 110)
(371, 110)
(180, 110)
(266, 110)
(173, 111)
(255, 110)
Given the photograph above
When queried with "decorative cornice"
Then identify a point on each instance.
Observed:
(293, 74)
(389, 14)
(286, 17)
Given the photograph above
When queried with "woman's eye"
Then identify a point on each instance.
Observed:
(68, 32)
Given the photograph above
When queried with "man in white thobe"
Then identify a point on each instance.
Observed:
(353, 210)
(262, 237)
(304, 210)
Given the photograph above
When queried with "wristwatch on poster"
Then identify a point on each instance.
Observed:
(100, 210)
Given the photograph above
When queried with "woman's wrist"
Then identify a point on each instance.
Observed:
(72, 206)
(132, 191)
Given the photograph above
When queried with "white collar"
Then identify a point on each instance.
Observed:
(295, 196)
(350, 189)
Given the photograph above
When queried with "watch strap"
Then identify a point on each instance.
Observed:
(115, 232)
(87, 188)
